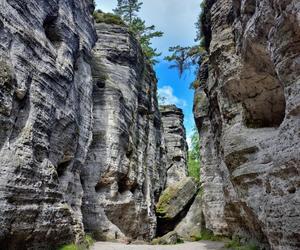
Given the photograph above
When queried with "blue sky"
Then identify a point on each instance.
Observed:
(176, 18)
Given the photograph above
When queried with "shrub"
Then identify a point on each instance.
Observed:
(194, 168)
(69, 247)
(206, 235)
(109, 18)
(87, 243)
(236, 244)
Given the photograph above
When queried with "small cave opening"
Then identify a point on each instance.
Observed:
(100, 83)
(125, 185)
(267, 110)
(177, 158)
(62, 167)
(52, 30)
(100, 185)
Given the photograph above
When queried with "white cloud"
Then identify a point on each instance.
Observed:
(166, 93)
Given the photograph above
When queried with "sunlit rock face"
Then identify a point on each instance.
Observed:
(125, 168)
(176, 145)
(247, 111)
(45, 119)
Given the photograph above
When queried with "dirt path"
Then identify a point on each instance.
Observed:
(203, 245)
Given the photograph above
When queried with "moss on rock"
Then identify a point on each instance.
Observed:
(175, 198)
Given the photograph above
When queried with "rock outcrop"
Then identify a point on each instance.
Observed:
(193, 223)
(247, 109)
(81, 142)
(125, 168)
(176, 145)
(174, 203)
(45, 119)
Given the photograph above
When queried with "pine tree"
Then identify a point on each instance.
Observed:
(128, 9)
(145, 34)
(183, 57)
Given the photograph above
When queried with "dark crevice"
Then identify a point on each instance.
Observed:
(62, 167)
(52, 30)
(177, 158)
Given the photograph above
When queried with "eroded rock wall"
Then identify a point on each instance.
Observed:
(176, 145)
(247, 112)
(125, 169)
(45, 119)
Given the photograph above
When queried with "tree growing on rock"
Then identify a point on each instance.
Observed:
(184, 58)
(128, 11)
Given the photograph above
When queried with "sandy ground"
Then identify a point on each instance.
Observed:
(203, 245)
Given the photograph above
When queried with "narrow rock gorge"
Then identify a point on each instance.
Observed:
(82, 142)
(247, 111)
(86, 149)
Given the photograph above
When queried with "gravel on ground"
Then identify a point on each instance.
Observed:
(200, 245)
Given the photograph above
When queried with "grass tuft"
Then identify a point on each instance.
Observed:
(235, 244)
(87, 243)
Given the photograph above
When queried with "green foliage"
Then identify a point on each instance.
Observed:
(194, 157)
(179, 241)
(128, 10)
(145, 34)
(165, 198)
(88, 242)
(198, 24)
(206, 235)
(180, 57)
(236, 244)
(109, 18)
(194, 168)
(186, 57)
(195, 150)
(69, 247)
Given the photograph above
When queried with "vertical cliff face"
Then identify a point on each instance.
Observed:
(247, 113)
(45, 119)
(176, 145)
(125, 168)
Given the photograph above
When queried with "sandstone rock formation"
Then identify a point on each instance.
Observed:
(81, 144)
(193, 223)
(125, 168)
(247, 110)
(176, 145)
(45, 119)
(174, 203)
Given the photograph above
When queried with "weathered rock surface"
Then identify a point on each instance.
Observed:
(193, 223)
(247, 111)
(176, 145)
(125, 168)
(174, 204)
(45, 119)
(170, 238)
